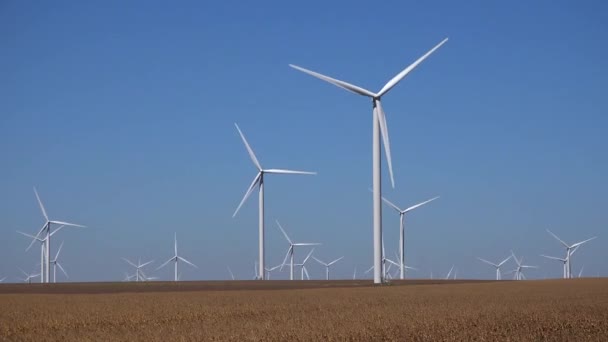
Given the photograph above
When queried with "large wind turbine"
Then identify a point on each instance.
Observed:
(497, 266)
(563, 260)
(402, 230)
(42, 247)
(303, 269)
(379, 128)
(327, 265)
(290, 250)
(569, 249)
(176, 258)
(259, 181)
(519, 274)
(46, 228)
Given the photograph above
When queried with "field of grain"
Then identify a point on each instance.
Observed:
(555, 310)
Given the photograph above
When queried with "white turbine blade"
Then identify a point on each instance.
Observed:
(308, 256)
(248, 193)
(56, 230)
(582, 242)
(286, 256)
(554, 258)
(3, 279)
(344, 85)
(251, 154)
(290, 172)
(68, 224)
(165, 263)
(22, 271)
(420, 204)
(572, 252)
(335, 261)
(41, 206)
(410, 268)
(502, 262)
(558, 239)
(274, 268)
(389, 203)
(187, 262)
(385, 139)
(392, 262)
(449, 273)
(487, 262)
(518, 262)
(320, 262)
(175, 242)
(407, 70)
(230, 271)
(527, 266)
(130, 263)
(371, 268)
(147, 263)
(285, 234)
(62, 270)
(59, 251)
(306, 272)
(307, 244)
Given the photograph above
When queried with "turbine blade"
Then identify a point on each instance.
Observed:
(582, 242)
(344, 85)
(335, 261)
(165, 263)
(407, 70)
(187, 262)
(558, 239)
(251, 154)
(283, 231)
(420, 204)
(385, 139)
(147, 263)
(507, 259)
(289, 172)
(308, 256)
(175, 242)
(62, 270)
(371, 268)
(487, 262)
(59, 251)
(388, 202)
(56, 230)
(306, 272)
(248, 193)
(130, 263)
(41, 206)
(554, 258)
(286, 256)
(68, 224)
(320, 262)
(307, 244)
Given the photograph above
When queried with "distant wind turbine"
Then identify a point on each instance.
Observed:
(259, 181)
(497, 266)
(291, 250)
(138, 268)
(57, 264)
(569, 249)
(327, 265)
(176, 259)
(519, 274)
(402, 213)
(564, 261)
(380, 128)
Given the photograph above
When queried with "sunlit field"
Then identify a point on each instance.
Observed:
(561, 310)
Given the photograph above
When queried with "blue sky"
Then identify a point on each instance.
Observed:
(122, 116)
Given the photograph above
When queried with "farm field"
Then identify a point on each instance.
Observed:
(552, 310)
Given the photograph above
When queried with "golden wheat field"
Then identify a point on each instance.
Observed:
(548, 310)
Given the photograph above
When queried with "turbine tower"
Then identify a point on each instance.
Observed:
(176, 258)
(42, 247)
(402, 230)
(563, 260)
(327, 265)
(569, 249)
(497, 266)
(379, 129)
(46, 228)
(259, 181)
(290, 250)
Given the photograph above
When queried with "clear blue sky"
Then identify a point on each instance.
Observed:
(122, 115)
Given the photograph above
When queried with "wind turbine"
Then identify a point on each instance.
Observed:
(230, 271)
(290, 250)
(138, 272)
(269, 270)
(379, 128)
(47, 228)
(449, 273)
(56, 264)
(28, 276)
(327, 265)
(42, 247)
(259, 181)
(355, 273)
(176, 258)
(303, 265)
(519, 274)
(569, 249)
(563, 260)
(497, 266)
(402, 230)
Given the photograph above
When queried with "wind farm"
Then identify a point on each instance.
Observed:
(481, 217)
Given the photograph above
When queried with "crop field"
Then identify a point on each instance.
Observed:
(545, 310)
